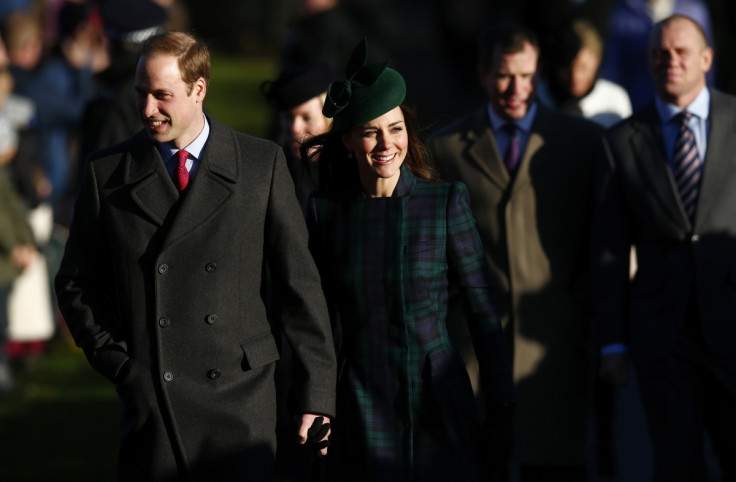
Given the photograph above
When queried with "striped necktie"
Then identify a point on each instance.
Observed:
(687, 165)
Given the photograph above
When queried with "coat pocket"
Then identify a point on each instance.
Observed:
(258, 351)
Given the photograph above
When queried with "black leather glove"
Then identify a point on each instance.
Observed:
(494, 440)
(315, 434)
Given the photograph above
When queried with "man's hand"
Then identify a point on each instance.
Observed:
(314, 432)
(614, 368)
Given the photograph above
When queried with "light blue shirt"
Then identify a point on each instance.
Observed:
(524, 124)
(195, 148)
(699, 123)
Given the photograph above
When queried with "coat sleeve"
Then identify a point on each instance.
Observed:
(83, 284)
(15, 229)
(469, 272)
(611, 247)
(301, 307)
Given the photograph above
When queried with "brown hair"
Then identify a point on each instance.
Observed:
(338, 174)
(19, 29)
(510, 37)
(192, 54)
(589, 36)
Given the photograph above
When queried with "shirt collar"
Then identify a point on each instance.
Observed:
(194, 148)
(525, 123)
(700, 107)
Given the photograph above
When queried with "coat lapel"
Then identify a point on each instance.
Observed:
(482, 150)
(151, 188)
(720, 148)
(212, 187)
(541, 129)
(647, 146)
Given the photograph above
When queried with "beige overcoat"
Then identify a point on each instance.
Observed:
(535, 232)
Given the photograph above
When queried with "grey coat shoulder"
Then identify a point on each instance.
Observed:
(218, 133)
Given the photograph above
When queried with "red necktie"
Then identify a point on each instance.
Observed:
(181, 175)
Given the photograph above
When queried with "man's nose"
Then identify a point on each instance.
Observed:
(149, 106)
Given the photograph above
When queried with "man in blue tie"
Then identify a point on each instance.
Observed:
(667, 185)
(174, 233)
(530, 174)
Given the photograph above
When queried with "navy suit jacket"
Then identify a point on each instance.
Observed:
(638, 203)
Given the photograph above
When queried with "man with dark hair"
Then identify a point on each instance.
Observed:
(162, 284)
(530, 175)
(667, 185)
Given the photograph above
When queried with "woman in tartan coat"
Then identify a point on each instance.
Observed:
(390, 243)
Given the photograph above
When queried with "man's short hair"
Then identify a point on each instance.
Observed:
(657, 30)
(510, 37)
(192, 54)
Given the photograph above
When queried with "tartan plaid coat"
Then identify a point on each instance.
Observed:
(406, 409)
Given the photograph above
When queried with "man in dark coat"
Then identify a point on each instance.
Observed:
(676, 319)
(162, 283)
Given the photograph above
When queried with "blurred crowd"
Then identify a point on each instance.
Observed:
(66, 89)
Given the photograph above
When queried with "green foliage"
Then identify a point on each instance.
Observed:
(234, 97)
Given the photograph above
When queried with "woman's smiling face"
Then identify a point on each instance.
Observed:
(379, 147)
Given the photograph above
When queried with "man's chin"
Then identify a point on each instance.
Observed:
(157, 136)
(515, 114)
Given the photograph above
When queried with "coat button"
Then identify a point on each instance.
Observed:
(211, 319)
(214, 374)
(164, 322)
(168, 376)
(211, 267)
(163, 268)
(695, 238)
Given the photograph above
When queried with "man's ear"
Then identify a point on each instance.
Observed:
(200, 89)
(707, 59)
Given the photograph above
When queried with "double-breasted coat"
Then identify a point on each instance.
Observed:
(164, 292)
(535, 229)
(406, 409)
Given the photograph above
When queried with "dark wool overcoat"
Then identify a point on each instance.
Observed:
(164, 293)
(406, 409)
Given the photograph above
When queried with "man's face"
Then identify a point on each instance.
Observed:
(678, 61)
(510, 82)
(168, 112)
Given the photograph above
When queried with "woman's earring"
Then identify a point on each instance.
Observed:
(350, 155)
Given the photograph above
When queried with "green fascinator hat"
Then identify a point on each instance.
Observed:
(368, 91)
